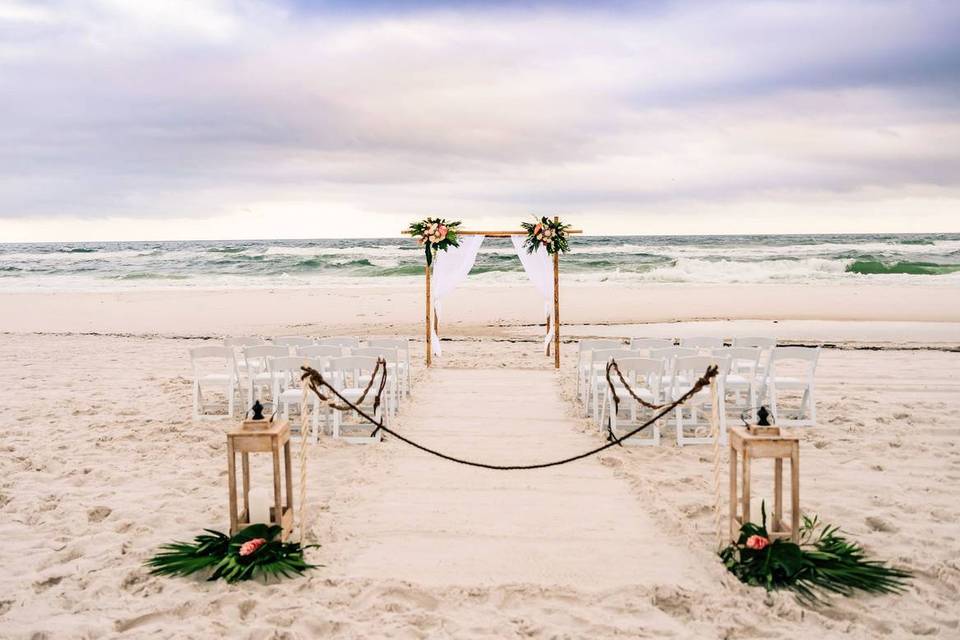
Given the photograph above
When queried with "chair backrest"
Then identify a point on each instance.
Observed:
(650, 343)
(257, 357)
(342, 341)
(320, 350)
(243, 341)
(602, 356)
(743, 360)
(670, 353)
(353, 363)
(401, 344)
(701, 342)
(642, 371)
(390, 354)
(293, 341)
(585, 346)
(688, 369)
(217, 358)
(806, 357)
(752, 341)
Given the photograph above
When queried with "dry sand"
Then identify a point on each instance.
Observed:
(100, 463)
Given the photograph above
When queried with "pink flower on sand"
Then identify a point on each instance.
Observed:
(250, 546)
(757, 543)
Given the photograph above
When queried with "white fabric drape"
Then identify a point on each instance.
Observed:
(450, 268)
(539, 268)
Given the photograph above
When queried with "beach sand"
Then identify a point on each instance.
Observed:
(101, 463)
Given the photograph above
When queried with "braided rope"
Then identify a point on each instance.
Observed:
(316, 380)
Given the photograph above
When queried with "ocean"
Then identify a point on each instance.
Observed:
(929, 259)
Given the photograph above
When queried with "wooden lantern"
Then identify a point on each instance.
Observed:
(260, 436)
(749, 443)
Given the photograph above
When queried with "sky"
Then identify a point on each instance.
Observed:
(199, 119)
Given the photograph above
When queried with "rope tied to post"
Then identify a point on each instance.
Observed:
(315, 381)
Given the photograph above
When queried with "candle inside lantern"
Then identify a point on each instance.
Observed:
(260, 505)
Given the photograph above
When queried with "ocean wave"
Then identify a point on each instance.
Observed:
(876, 267)
(150, 276)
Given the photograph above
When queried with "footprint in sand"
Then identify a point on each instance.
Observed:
(879, 524)
(98, 514)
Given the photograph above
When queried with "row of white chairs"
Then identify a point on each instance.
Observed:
(753, 371)
(277, 369)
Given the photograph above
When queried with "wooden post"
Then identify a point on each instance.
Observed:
(556, 306)
(429, 348)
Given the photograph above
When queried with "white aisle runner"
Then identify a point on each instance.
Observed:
(418, 518)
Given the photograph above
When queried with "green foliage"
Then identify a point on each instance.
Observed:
(823, 563)
(221, 554)
(435, 234)
(548, 233)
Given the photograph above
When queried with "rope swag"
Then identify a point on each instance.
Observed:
(315, 380)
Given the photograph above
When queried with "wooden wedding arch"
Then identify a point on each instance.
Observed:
(428, 329)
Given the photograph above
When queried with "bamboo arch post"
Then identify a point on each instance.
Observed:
(429, 347)
(556, 306)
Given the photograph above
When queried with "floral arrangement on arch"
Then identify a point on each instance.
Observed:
(823, 563)
(547, 233)
(435, 234)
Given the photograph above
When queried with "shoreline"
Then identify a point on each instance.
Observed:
(484, 310)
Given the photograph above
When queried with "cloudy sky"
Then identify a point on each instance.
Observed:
(140, 119)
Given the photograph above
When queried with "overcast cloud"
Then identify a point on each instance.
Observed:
(191, 118)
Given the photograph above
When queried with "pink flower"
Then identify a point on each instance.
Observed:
(250, 546)
(442, 231)
(757, 543)
(537, 228)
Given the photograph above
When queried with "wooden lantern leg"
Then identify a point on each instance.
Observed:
(745, 498)
(777, 495)
(734, 534)
(232, 486)
(277, 516)
(795, 493)
(245, 470)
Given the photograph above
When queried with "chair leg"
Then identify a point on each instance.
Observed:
(230, 402)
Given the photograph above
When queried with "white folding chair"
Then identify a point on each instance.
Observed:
(598, 376)
(213, 367)
(259, 376)
(669, 355)
(343, 341)
(793, 369)
(701, 342)
(650, 343)
(293, 342)
(288, 388)
(237, 344)
(766, 346)
(644, 375)
(350, 375)
(402, 345)
(687, 370)
(742, 378)
(584, 348)
(392, 357)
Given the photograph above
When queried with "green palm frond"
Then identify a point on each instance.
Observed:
(823, 563)
(221, 555)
